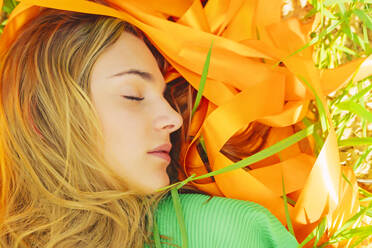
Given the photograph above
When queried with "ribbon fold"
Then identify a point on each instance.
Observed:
(243, 85)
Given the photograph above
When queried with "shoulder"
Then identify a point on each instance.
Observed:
(225, 221)
(199, 205)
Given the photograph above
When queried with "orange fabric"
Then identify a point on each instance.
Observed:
(243, 85)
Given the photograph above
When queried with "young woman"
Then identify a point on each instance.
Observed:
(86, 131)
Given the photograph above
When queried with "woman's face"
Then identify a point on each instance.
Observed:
(127, 90)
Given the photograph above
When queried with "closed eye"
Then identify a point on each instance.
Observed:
(134, 98)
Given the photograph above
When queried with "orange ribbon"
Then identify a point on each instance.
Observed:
(243, 85)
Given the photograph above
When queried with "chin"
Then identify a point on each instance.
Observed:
(162, 183)
(155, 185)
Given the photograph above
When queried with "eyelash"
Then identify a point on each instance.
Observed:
(134, 98)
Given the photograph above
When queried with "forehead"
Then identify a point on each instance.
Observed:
(128, 52)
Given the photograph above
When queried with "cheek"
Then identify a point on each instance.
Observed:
(126, 127)
(126, 132)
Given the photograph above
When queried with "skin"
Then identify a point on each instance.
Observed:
(132, 128)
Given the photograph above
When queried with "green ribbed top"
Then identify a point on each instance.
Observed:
(221, 223)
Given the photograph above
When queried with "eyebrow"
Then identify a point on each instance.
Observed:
(145, 75)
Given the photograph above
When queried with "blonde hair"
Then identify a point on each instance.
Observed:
(53, 193)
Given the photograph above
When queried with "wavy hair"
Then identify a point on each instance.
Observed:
(52, 193)
(52, 190)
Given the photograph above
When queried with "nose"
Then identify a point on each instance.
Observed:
(169, 120)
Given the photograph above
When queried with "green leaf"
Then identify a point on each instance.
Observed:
(202, 80)
(181, 222)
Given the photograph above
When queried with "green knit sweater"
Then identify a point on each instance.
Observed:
(221, 223)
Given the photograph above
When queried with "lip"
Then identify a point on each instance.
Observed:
(163, 155)
(162, 151)
(163, 148)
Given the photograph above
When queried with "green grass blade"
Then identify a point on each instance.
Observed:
(346, 179)
(363, 232)
(361, 93)
(307, 239)
(341, 6)
(287, 216)
(355, 108)
(329, 14)
(332, 2)
(355, 142)
(322, 114)
(318, 140)
(345, 50)
(312, 234)
(351, 221)
(325, 32)
(320, 229)
(181, 221)
(366, 199)
(341, 126)
(279, 146)
(366, 234)
(364, 17)
(156, 235)
(201, 140)
(365, 35)
(364, 192)
(181, 184)
(202, 81)
(362, 158)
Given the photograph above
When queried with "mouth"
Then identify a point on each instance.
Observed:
(161, 154)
